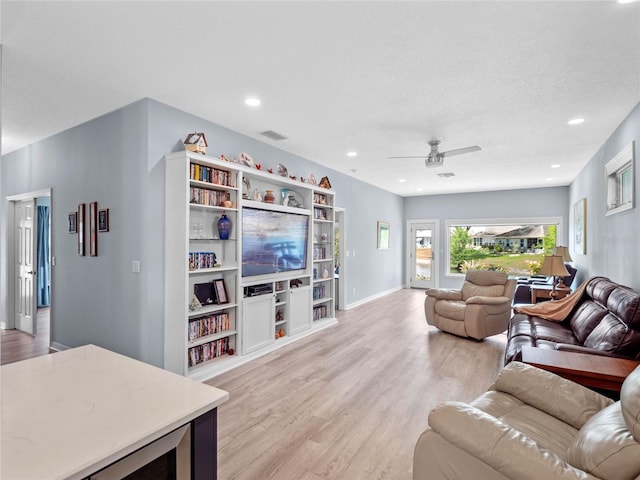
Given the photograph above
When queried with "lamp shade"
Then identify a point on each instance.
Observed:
(554, 266)
(564, 253)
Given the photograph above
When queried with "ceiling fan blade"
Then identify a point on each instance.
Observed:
(417, 156)
(459, 151)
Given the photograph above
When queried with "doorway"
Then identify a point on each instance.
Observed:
(340, 280)
(422, 248)
(27, 317)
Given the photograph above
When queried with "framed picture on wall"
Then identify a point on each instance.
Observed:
(383, 235)
(93, 229)
(103, 220)
(73, 222)
(80, 224)
(580, 226)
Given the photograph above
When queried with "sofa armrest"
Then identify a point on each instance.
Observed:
(479, 299)
(444, 293)
(498, 445)
(570, 402)
(567, 347)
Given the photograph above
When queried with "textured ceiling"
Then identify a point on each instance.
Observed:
(380, 78)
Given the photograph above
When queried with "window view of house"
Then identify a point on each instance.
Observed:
(517, 250)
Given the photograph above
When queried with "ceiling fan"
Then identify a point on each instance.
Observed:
(436, 158)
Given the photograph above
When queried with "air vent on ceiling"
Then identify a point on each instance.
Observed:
(273, 135)
(446, 174)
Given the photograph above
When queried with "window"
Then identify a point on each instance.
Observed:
(513, 246)
(619, 178)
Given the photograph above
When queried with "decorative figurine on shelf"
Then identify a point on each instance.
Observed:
(195, 304)
(296, 282)
(223, 157)
(325, 183)
(224, 227)
(269, 197)
(196, 142)
(257, 196)
(325, 272)
(246, 160)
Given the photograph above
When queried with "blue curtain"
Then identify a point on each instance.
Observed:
(44, 269)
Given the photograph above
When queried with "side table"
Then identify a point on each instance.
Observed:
(595, 371)
(544, 292)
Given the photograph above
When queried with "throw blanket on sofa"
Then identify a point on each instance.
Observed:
(556, 310)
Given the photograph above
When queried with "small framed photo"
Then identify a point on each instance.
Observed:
(220, 291)
(80, 223)
(93, 230)
(73, 222)
(103, 220)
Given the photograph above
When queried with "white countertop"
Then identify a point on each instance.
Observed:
(69, 414)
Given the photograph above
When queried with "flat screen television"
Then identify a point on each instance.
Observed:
(273, 242)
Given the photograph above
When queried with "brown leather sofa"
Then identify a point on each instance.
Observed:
(605, 321)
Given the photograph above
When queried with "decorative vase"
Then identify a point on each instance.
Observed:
(224, 227)
(268, 196)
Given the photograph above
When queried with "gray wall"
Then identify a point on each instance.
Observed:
(539, 202)
(116, 160)
(613, 242)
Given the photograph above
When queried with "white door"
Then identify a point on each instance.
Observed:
(26, 267)
(422, 249)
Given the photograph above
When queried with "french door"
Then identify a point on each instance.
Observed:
(422, 248)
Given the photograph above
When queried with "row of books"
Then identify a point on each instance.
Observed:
(209, 325)
(204, 196)
(319, 198)
(319, 214)
(319, 311)
(199, 260)
(319, 253)
(319, 291)
(208, 351)
(211, 175)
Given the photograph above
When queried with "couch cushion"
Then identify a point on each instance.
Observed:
(604, 447)
(585, 318)
(608, 335)
(451, 309)
(630, 402)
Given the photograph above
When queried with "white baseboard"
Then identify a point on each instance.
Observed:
(372, 297)
(58, 347)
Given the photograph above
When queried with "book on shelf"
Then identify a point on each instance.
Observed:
(203, 173)
(319, 311)
(208, 351)
(199, 260)
(209, 325)
(204, 196)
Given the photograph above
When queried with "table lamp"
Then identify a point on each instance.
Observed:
(566, 258)
(553, 266)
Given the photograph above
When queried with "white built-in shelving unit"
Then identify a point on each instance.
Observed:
(253, 314)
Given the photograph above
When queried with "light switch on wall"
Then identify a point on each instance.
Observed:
(135, 266)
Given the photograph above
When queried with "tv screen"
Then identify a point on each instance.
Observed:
(273, 242)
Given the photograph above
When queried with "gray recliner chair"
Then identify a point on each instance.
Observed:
(481, 308)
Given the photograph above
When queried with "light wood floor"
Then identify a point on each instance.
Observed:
(348, 402)
(17, 345)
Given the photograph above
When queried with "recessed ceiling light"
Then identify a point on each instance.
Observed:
(576, 121)
(549, 179)
(252, 102)
(402, 180)
(352, 154)
(556, 165)
(419, 189)
(626, 1)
